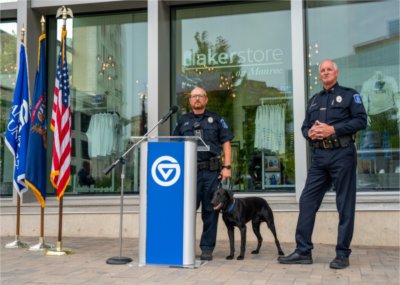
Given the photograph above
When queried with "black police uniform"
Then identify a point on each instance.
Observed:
(215, 132)
(334, 161)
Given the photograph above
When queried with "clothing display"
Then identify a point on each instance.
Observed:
(381, 99)
(270, 128)
(380, 93)
(104, 135)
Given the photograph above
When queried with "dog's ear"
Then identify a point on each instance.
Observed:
(230, 193)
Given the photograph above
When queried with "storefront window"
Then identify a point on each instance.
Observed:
(241, 55)
(107, 57)
(8, 72)
(363, 38)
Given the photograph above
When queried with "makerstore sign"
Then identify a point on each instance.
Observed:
(256, 59)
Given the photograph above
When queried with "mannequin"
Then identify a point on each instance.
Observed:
(381, 100)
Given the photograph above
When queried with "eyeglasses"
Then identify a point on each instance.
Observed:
(197, 96)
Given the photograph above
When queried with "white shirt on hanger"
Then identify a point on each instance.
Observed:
(380, 93)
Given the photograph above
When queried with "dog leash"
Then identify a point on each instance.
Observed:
(231, 206)
(227, 184)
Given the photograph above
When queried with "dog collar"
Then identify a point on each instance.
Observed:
(230, 207)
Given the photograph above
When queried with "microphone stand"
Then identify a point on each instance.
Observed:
(121, 259)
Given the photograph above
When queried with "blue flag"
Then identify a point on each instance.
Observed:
(36, 161)
(18, 125)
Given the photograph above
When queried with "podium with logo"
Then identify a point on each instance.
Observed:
(167, 227)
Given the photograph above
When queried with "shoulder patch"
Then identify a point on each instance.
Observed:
(224, 124)
(357, 98)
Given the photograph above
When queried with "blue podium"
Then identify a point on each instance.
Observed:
(167, 226)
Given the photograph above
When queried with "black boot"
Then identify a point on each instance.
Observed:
(206, 255)
(296, 258)
(339, 262)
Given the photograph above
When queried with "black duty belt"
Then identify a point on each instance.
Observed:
(213, 164)
(333, 142)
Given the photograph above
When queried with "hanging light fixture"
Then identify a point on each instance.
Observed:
(107, 67)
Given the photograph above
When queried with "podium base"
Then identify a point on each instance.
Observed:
(196, 264)
(118, 260)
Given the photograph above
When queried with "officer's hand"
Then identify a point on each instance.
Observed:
(224, 174)
(312, 133)
(322, 130)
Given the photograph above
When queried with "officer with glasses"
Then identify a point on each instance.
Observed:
(210, 170)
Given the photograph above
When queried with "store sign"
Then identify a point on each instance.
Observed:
(248, 57)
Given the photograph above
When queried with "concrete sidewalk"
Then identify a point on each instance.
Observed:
(368, 265)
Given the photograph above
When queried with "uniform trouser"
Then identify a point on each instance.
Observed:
(207, 183)
(337, 166)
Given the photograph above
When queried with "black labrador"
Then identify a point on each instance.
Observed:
(237, 212)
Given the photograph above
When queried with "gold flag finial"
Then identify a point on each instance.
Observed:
(64, 12)
(22, 34)
(43, 24)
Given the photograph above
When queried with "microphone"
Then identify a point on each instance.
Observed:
(121, 160)
(171, 111)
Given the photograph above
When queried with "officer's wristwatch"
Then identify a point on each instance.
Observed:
(226, 166)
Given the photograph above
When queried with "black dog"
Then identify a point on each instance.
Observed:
(237, 212)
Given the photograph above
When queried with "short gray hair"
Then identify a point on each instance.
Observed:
(335, 67)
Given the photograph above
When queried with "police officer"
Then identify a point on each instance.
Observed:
(333, 117)
(216, 134)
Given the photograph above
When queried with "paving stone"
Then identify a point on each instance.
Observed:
(87, 266)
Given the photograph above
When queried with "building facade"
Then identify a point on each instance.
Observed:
(129, 61)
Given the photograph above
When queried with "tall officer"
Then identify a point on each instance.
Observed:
(216, 134)
(333, 117)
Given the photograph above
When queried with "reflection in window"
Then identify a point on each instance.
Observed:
(367, 52)
(8, 71)
(244, 62)
(108, 82)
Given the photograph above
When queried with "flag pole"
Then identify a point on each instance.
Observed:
(59, 250)
(41, 245)
(17, 243)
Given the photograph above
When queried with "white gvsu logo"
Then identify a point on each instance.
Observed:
(165, 165)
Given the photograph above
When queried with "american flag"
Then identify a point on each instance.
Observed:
(61, 124)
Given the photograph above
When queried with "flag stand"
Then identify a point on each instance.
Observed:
(17, 243)
(41, 245)
(59, 250)
(61, 106)
(32, 179)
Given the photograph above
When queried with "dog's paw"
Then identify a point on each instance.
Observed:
(281, 252)
(255, 252)
(240, 257)
(229, 257)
